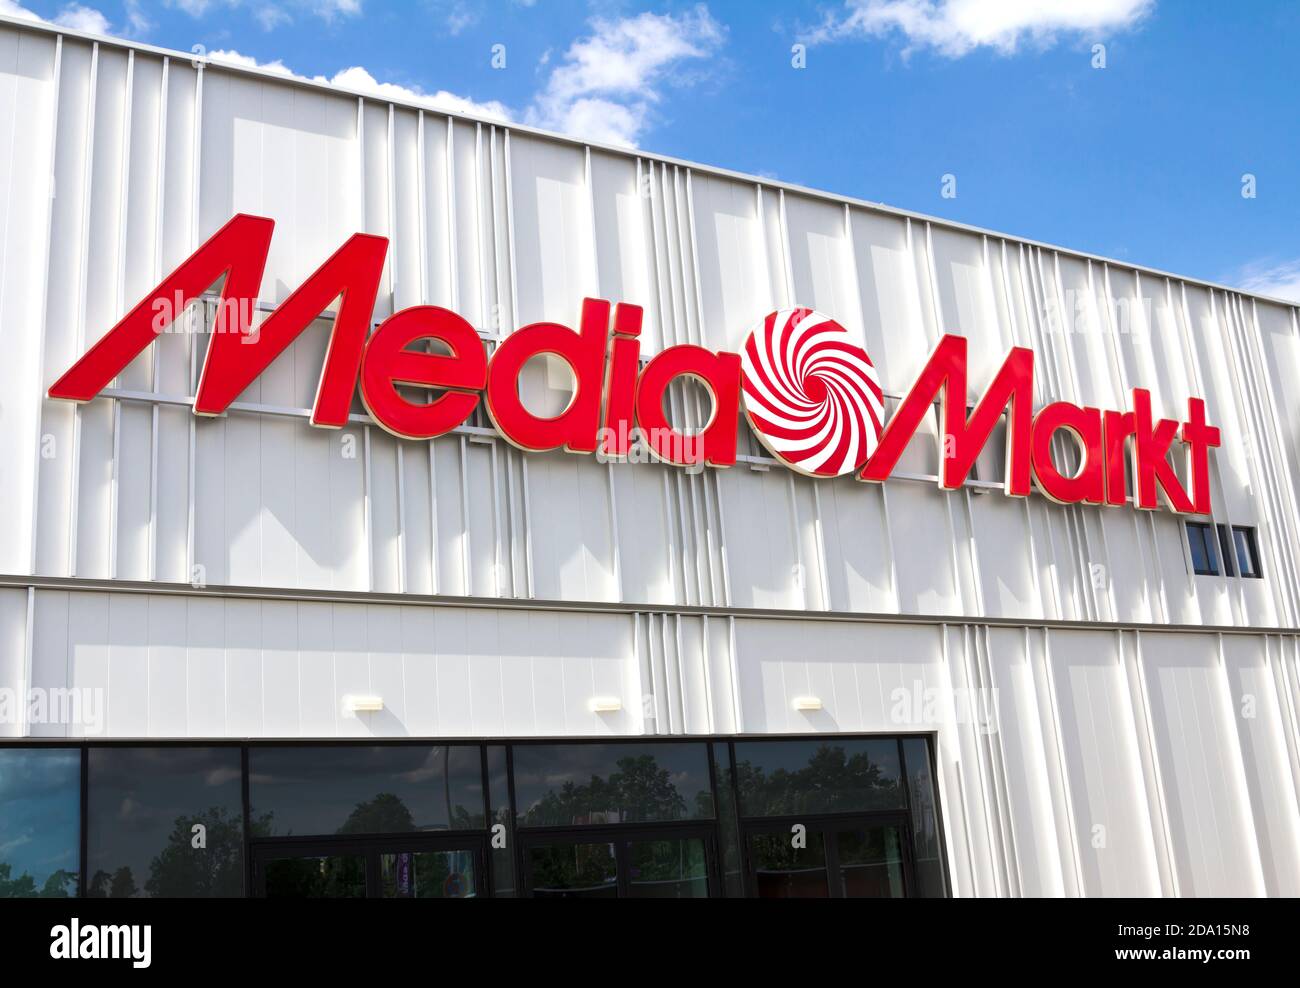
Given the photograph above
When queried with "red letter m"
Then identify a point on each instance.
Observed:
(238, 353)
(963, 437)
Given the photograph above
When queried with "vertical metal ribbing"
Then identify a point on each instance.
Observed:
(934, 301)
(1248, 402)
(1134, 703)
(499, 332)
(29, 634)
(655, 692)
(192, 319)
(155, 371)
(1036, 718)
(391, 261)
(74, 498)
(676, 403)
(795, 538)
(786, 268)
(1162, 807)
(514, 316)
(498, 582)
(367, 488)
(692, 410)
(1078, 537)
(1121, 384)
(56, 88)
(1243, 799)
(987, 791)
(1282, 477)
(1183, 319)
(596, 293)
(422, 200)
(1187, 558)
(1015, 338)
(123, 205)
(998, 768)
(962, 801)
(665, 314)
(453, 274)
(884, 500)
(733, 670)
(679, 658)
(1287, 702)
(1061, 768)
(1031, 337)
(480, 239)
(1082, 513)
(465, 546)
(480, 244)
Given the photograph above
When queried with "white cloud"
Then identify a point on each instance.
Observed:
(80, 18)
(606, 83)
(136, 18)
(358, 79)
(957, 27)
(603, 88)
(1279, 280)
(11, 9)
(73, 16)
(272, 13)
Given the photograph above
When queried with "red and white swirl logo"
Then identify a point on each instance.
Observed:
(811, 394)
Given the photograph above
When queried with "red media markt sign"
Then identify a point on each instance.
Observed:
(810, 393)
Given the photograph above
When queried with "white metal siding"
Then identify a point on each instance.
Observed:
(1124, 762)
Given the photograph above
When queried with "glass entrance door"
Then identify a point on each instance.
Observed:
(670, 864)
(821, 859)
(389, 868)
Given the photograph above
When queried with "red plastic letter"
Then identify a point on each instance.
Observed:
(574, 428)
(388, 362)
(720, 373)
(1151, 442)
(945, 372)
(234, 360)
(1088, 484)
(1199, 438)
(237, 250)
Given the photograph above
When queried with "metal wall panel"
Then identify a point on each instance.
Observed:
(1115, 761)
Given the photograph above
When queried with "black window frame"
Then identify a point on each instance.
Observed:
(1251, 540)
(1203, 534)
(255, 847)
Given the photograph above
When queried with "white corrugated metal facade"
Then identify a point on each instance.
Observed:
(1132, 696)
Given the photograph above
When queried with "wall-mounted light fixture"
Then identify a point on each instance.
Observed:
(363, 704)
(807, 703)
(604, 704)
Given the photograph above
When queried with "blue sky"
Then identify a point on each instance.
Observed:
(1143, 159)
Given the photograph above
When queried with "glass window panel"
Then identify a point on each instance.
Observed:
(1225, 550)
(372, 789)
(429, 875)
(733, 880)
(332, 876)
(871, 863)
(668, 869)
(148, 808)
(501, 842)
(1247, 556)
(575, 784)
(1205, 558)
(925, 819)
(783, 870)
(40, 833)
(786, 778)
(573, 871)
